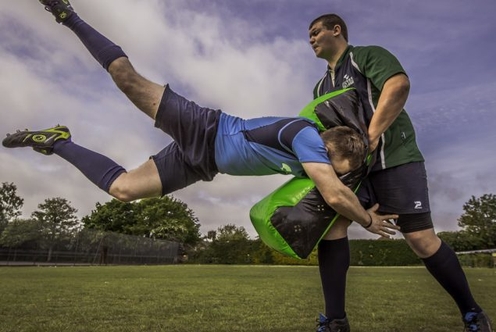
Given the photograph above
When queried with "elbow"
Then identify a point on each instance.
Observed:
(122, 189)
(398, 86)
(403, 86)
(122, 195)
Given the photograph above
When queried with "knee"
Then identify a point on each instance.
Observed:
(124, 75)
(338, 230)
(122, 191)
(424, 243)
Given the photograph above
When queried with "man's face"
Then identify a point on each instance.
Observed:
(322, 40)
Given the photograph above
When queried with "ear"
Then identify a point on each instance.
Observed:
(330, 150)
(336, 31)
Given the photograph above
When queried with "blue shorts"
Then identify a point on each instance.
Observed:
(191, 157)
(400, 190)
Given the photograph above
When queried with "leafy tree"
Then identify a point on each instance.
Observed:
(231, 232)
(231, 246)
(113, 216)
(479, 219)
(163, 218)
(10, 204)
(461, 240)
(262, 254)
(20, 231)
(58, 221)
(169, 219)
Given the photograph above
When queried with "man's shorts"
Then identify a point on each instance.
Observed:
(400, 190)
(191, 157)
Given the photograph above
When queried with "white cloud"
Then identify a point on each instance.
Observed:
(245, 62)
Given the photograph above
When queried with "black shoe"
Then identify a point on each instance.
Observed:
(61, 9)
(477, 322)
(41, 140)
(335, 325)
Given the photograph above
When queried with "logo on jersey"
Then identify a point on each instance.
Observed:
(347, 81)
(285, 168)
(418, 205)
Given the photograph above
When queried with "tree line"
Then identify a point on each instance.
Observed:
(168, 218)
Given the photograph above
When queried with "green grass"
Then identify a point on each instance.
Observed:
(225, 298)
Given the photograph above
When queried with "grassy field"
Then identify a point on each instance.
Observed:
(225, 298)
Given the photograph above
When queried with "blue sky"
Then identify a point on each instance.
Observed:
(249, 58)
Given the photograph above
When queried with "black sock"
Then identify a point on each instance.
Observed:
(102, 49)
(446, 269)
(334, 261)
(99, 169)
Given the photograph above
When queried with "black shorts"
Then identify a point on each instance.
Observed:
(400, 190)
(191, 157)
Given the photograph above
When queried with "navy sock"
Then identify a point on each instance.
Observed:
(99, 169)
(102, 49)
(446, 269)
(334, 261)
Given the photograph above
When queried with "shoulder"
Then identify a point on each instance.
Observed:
(300, 126)
(376, 63)
(306, 134)
(364, 52)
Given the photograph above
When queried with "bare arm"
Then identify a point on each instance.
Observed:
(344, 201)
(392, 100)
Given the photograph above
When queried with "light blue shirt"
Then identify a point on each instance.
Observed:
(236, 155)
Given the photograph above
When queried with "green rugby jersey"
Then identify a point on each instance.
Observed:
(367, 68)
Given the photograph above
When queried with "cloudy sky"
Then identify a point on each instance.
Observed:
(248, 58)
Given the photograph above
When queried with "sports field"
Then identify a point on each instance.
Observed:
(224, 298)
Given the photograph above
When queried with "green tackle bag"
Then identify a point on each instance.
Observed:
(295, 217)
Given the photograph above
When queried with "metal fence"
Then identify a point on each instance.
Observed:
(91, 247)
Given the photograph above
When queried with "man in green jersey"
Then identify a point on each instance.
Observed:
(397, 181)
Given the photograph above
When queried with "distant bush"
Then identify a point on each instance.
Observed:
(476, 260)
(363, 253)
(382, 253)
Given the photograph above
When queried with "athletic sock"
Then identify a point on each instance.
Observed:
(446, 269)
(334, 261)
(99, 169)
(102, 49)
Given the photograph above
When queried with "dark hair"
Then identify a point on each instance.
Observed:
(346, 143)
(329, 21)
